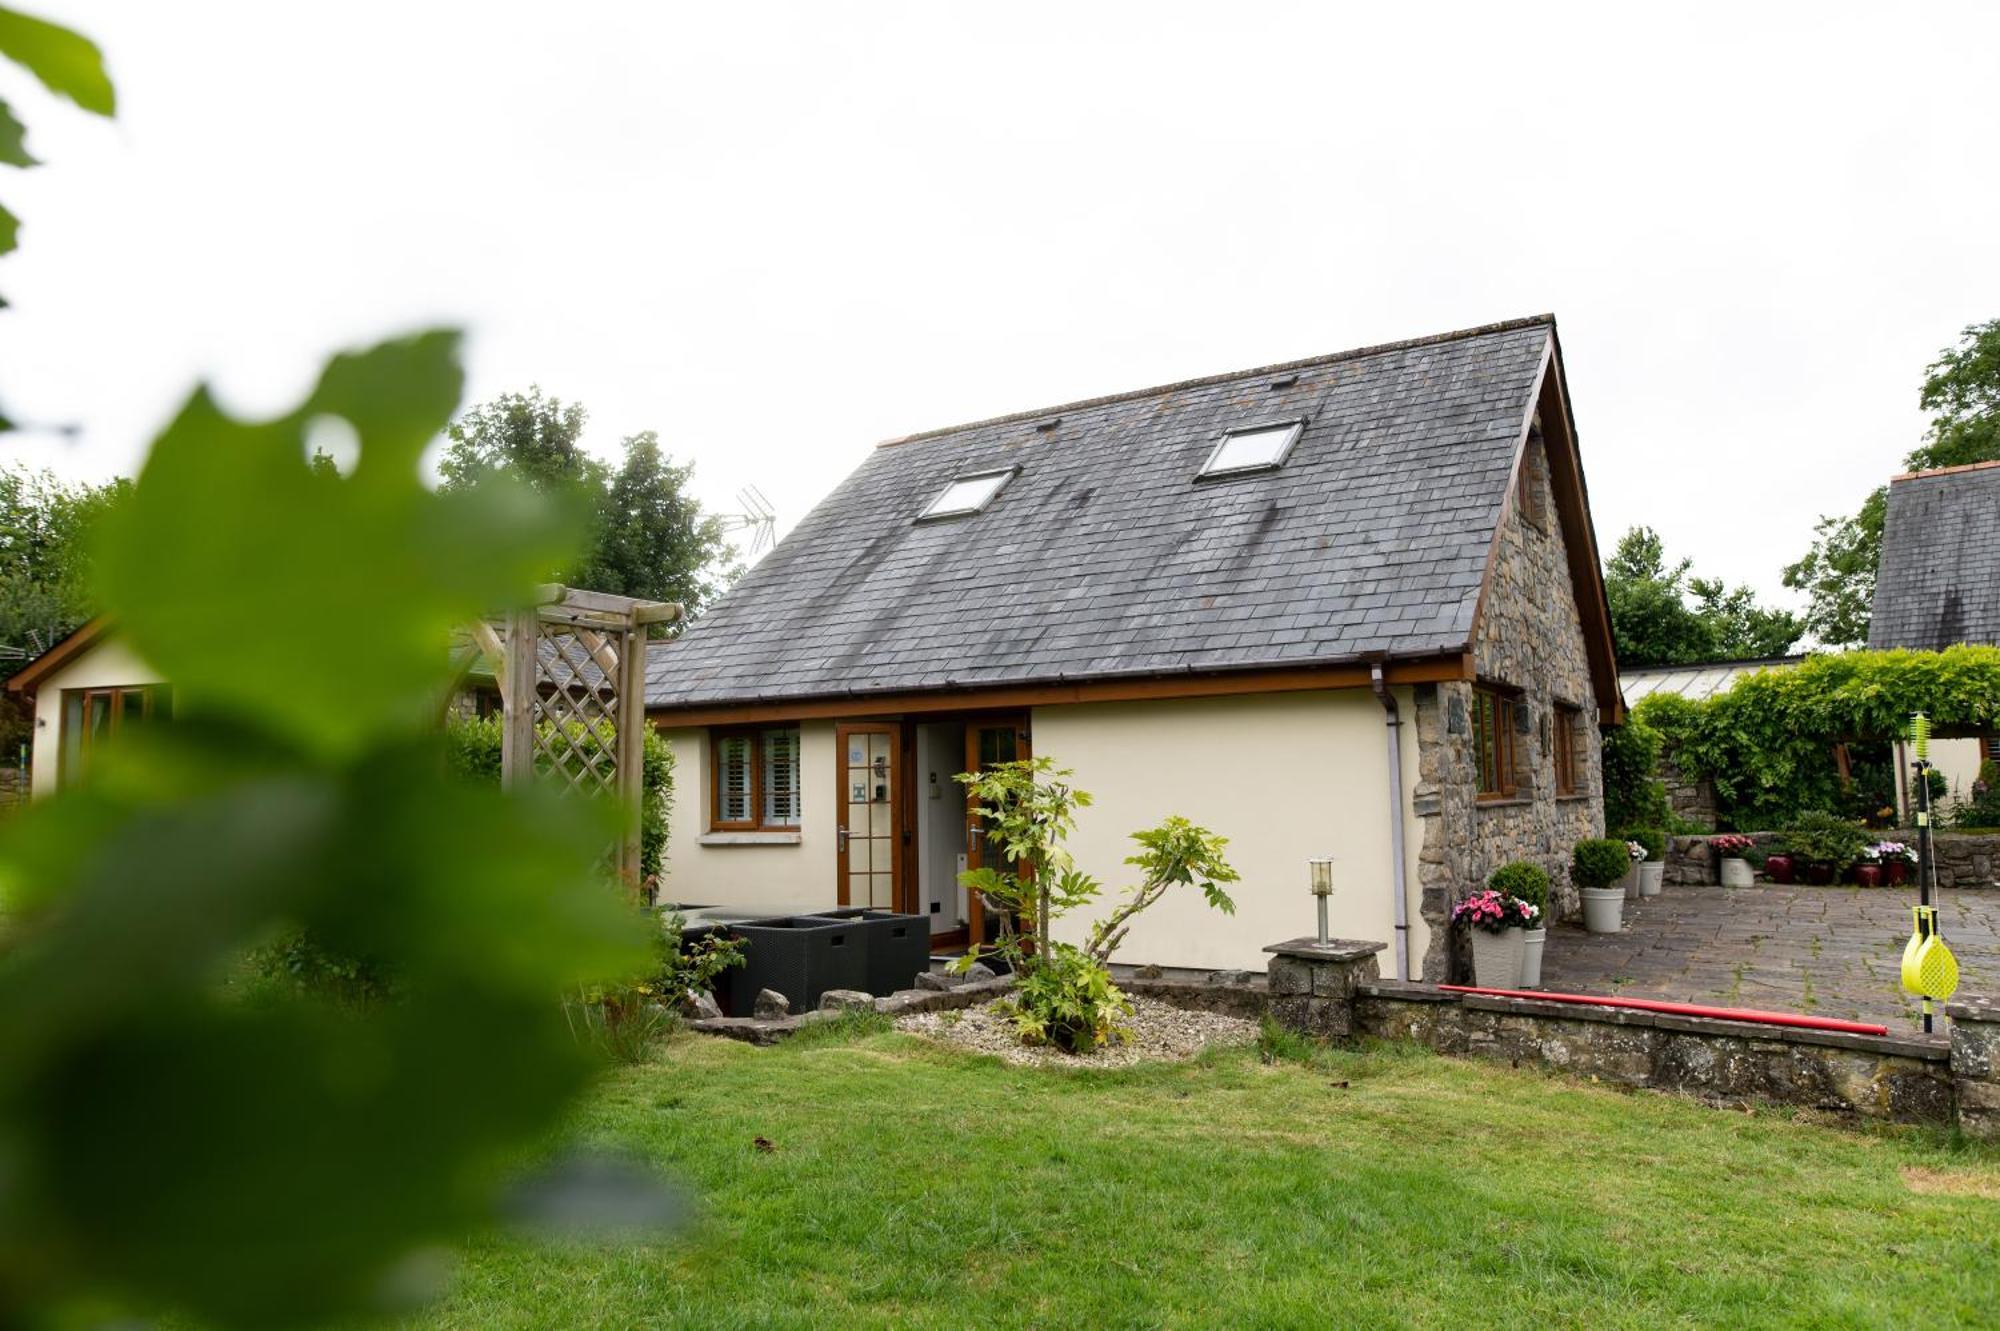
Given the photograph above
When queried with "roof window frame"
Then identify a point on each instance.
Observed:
(1208, 471)
(931, 512)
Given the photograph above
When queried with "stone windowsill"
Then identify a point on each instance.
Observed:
(750, 839)
(1515, 802)
(1580, 797)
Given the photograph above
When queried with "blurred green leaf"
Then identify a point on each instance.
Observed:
(321, 607)
(10, 230)
(13, 139)
(66, 62)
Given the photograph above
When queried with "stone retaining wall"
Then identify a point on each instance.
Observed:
(1334, 991)
(1964, 859)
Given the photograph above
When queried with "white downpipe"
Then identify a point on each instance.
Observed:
(1397, 879)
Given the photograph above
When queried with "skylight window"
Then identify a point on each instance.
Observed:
(1253, 448)
(967, 494)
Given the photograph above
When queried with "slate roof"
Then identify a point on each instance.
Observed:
(1939, 580)
(1105, 557)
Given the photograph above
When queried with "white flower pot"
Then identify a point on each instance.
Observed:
(1737, 873)
(1531, 957)
(1604, 909)
(1630, 882)
(1652, 877)
(1496, 958)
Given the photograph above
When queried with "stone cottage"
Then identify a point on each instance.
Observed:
(1343, 606)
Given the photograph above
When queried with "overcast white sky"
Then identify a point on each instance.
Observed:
(778, 233)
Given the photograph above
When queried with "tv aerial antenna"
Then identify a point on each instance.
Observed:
(759, 517)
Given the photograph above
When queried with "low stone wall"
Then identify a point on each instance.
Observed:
(1333, 991)
(1964, 859)
(770, 1030)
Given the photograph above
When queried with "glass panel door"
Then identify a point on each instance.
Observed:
(988, 740)
(870, 815)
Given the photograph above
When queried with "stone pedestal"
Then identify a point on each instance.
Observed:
(1975, 1065)
(1313, 983)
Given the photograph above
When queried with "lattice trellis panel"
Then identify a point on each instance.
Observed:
(573, 690)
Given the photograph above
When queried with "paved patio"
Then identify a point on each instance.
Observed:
(1829, 951)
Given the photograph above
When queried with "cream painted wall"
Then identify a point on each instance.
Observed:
(1285, 776)
(764, 876)
(105, 664)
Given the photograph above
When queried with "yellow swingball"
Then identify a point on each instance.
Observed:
(1929, 969)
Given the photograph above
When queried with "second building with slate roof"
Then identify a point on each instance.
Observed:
(1344, 606)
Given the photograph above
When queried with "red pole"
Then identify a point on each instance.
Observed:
(1751, 1015)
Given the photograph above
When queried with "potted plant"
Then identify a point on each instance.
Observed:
(1868, 868)
(1653, 868)
(1596, 866)
(1824, 844)
(1896, 859)
(1529, 882)
(1635, 855)
(1734, 848)
(1778, 863)
(1497, 922)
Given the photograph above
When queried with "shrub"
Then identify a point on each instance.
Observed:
(1070, 1002)
(302, 962)
(1599, 862)
(1652, 838)
(1174, 852)
(1524, 879)
(1633, 792)
(472, 751)
(1029, 808)
(1825, 838)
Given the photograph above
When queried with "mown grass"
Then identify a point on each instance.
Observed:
(915, 1186)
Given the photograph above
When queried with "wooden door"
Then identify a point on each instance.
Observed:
(988, 740)
(871, 813)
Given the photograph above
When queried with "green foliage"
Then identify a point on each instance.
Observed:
(1767, 743)
(169, 1145)
(473, 747)
(1029, 808)
(1599, 862)
(1654, 623)
(301, 962)
(1069, 1001)
(1175, 853)
(1652, 838)
(1962, 391)
(1838, 573)
(647, 535)
(1633, 792)
(45, 592)
(1524, 879)
(627, 1019)
(1825, 838)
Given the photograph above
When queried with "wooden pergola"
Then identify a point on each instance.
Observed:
(572, 677)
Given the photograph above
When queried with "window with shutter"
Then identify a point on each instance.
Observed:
(1493, 742)
(781, 778)
(755, 779)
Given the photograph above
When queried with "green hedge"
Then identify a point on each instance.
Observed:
(472, 748)
(1767, 743)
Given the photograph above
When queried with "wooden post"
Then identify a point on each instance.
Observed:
(632, 742)
(518, 697)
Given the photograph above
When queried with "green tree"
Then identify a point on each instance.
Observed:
(1962, 391)
(1661, 614)
(647, 536)
(45, 524)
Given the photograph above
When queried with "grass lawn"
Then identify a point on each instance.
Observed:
(914, 1186)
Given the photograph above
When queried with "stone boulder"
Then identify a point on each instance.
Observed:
(771, 1005)
(938, 983)
(700, 1007)
(846, 1000)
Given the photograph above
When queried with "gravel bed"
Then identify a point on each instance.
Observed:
(1159, 1031)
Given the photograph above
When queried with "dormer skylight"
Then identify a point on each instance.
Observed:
(968, 494)
(1252, 448)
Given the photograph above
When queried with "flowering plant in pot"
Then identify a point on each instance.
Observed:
(1653, 864)
(1826, 844)
(1527, 881)
(1635, 855)
(1734, 848)
(1896, 859)
(1596, 866)
(1496, 921)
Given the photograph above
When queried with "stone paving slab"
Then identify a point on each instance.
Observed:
(1828, 951)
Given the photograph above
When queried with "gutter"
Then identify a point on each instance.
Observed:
(1397, 855)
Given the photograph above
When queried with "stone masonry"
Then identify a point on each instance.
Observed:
(1531, 639)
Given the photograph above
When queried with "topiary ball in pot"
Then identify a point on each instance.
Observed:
(1596, 866)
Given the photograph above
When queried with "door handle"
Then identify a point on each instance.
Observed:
(843, 841)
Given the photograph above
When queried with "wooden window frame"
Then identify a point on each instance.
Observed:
(69, 771)
(1498, 703)
(754, 736)
(1565, 718)
(1528, 490)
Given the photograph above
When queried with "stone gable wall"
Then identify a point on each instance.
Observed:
(1530, 637)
